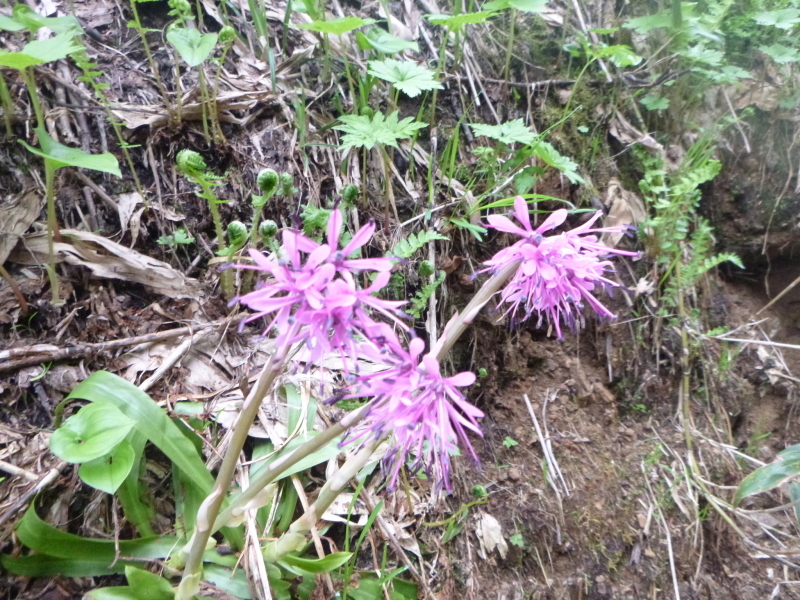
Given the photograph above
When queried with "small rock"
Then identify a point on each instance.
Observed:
(514, 474)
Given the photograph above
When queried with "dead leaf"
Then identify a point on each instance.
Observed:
(490, 536)
(127, 205)
(19, 212)
(625, 208)
(626, 133)
(106, 260)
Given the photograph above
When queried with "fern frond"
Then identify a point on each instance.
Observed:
(407, 247)
(420, 300)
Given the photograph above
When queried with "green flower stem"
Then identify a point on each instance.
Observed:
(295, 538)
(207, 515)
(8, 106)
(30, 82)
(226, 281)
(219, 137)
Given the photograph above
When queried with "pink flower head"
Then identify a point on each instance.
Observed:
(315, 299)
(425, 412)
(557, 273)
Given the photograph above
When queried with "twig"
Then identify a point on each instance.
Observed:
(756, 342)
(666, 533)
(33, 491)
(15, 470)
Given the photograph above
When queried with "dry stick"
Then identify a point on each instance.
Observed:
(39, 353)
(27, 496)
(666, 532)
(15, 470)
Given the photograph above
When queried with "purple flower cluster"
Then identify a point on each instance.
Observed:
(556, 273)
(426, 413)
(318, 301)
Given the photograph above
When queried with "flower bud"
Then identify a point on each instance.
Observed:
(349, 195)
(287, 184)
(426, 268)
(189, 162)
(268, 182)
(227, 35)
(237, 234)
(268, 229)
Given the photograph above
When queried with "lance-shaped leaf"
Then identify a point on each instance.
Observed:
(770, 476)
(408, 77)
(193, 46)
(64, 156)
(457, 22)
(528, 6)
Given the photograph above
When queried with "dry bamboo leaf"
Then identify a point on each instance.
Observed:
(490, 536)
(625, 208)
(107, 260)
(626, 133)
(19, 212)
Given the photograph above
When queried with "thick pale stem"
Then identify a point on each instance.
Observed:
(209, 510)
(8, 106)
(30, 82)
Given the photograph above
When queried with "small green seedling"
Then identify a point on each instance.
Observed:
(179, 238)
(510, 442)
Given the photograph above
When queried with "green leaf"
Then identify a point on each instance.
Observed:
(149, 419)
(781, 54)
(785, 18)
(9, 24)
(142, 585)
(63, 156)
(420, 301)
(407, 247)
(337, 26)
(234, 582)
(325, 564)
(408, 77)
(41, 565)
(510, 442)
(363, 132)
(29, 19)
(108, 472)
(704, 54)
(517, 540)
(324, 454)
(528, 6)
(553, 158)
(40, 52)
(381, 40)
(475, 230)
(193, 46)
(767, 478)
(620, 55)
(655, 102)
(92, 432)
(510, 132)
(644, 25)
(131, 497)
(457, 22)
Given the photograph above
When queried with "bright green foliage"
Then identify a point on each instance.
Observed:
(287, 185)
(407, 247)
(227, 35)
(106, 473)
(336, 26)
(408, 77)
(553, 158)
(193, 46)
(426, 268)
(91, 433)
(510, 132)
(420, 301)
(24, 17)
(237, 235)
(362, 131)
(381, 40)
(349, 195)
(180, 237)
(141, 584)
(190, 162)
(781, 54)
(457, 22)
(60, 155)
(517, 540)
(785, 18)
(786, 468)
(314, 219)
(268, 181)
(528, 6)
(510, 442)
(40, 52)
(655, 102)
(268, 229)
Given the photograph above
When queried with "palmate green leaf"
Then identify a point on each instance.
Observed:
(108, 472)
(381, 40)
(509, 133)
(457, 22)
(655, 102)
(643, 25)
(94, 431)
(363, 132)
(528, 6)
(785, 18)
(781, 54)
(407, 76)
(64, 156)
(336, 26)
(767, 478)
(40, 52)
(193, 46)
(29, 19)
(149, 420)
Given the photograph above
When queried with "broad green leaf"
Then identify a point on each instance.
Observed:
(9, 24)
(32, 21)
(553, 158)
(371, 587)
(233, 582)
(456, 23)
(781, 54)
(193, 46)
(381, 40)
(336, 26)
(794, 496)
(785, 18)
(704, 54)
(621, 55)
(94, 431)
(655, 102)
(324, 454)
(528, 6)
(510, 132)
(149, 419)
(46, 539)
(407, 76)
(790, 453)
(317, 565)
(142, 585)
(767, 478)
(644, 25)
(363, 132)
(108, 472)
(64, 156)
(40, 52)
(41, 565)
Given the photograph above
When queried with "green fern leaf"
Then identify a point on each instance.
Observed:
(407, 247)
(420, 301)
